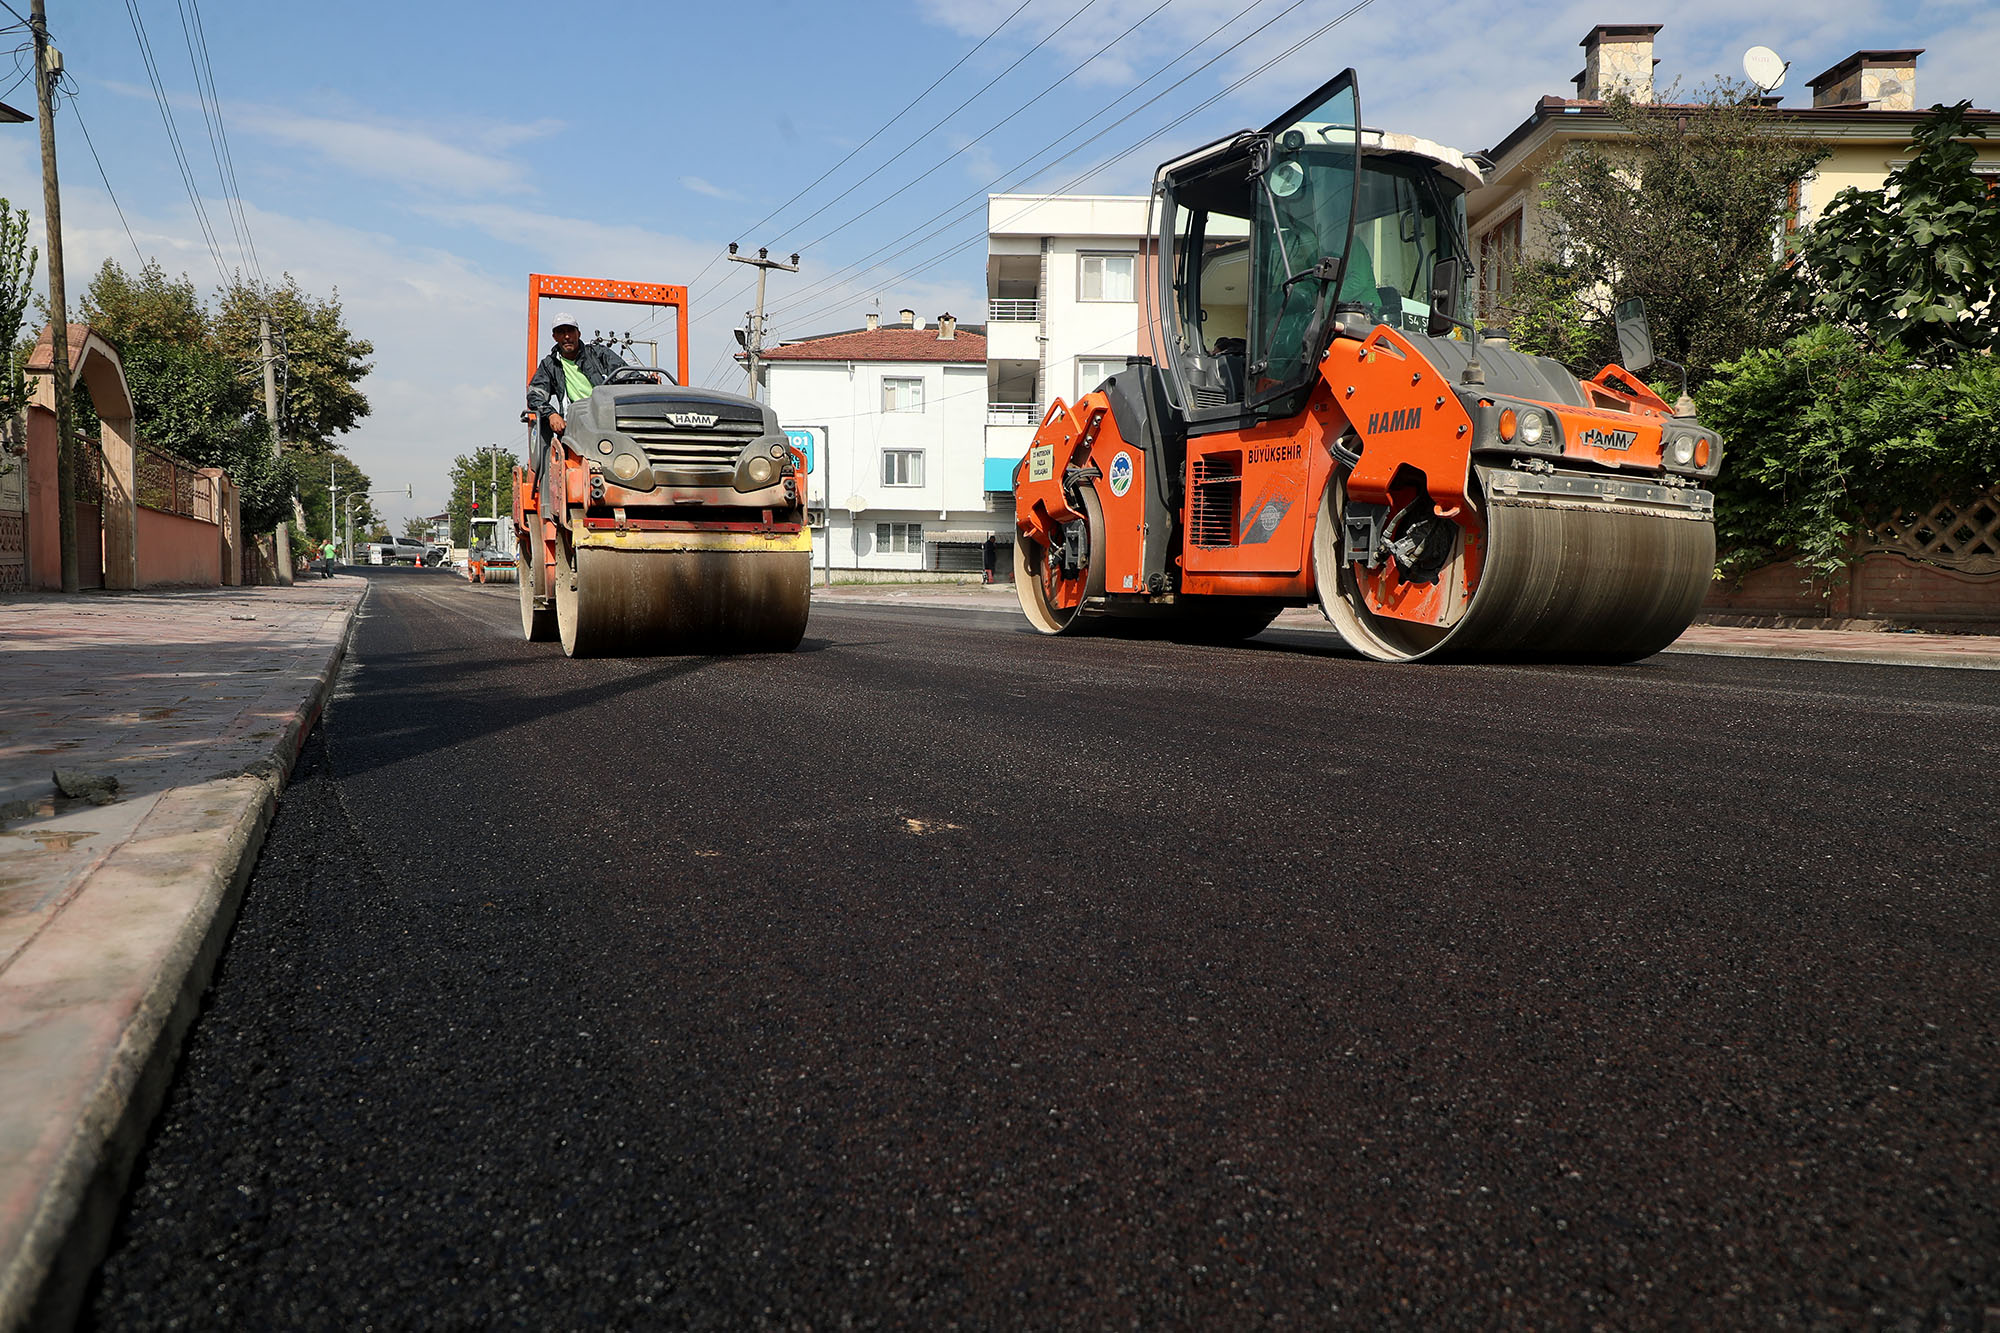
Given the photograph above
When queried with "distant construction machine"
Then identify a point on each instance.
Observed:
(664, 519)
(1323, 426)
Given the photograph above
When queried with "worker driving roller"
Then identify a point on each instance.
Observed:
(567, 374)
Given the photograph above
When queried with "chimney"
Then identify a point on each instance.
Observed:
(1618, 57)
(874, 321)
(947, 327)
(909, 318)
(1879, 80)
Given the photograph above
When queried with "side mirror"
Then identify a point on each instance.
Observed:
(1635, 335)
(1444, 297)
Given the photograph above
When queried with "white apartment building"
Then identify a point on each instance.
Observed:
(1069, 295)
(891, 417)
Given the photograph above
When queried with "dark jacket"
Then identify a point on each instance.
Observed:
(596, 361)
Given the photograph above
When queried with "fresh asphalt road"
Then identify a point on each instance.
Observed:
(942, 975)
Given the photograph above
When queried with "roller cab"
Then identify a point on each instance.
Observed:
(1322, 426)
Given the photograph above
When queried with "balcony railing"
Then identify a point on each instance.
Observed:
(1013, 414)
(1012, 310)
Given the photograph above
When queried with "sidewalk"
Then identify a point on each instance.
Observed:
(1879, 647)
(112, 916)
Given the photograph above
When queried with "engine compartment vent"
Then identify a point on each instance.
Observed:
(1217, 499)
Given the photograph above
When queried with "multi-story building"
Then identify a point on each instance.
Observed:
(1863, 110)
(891, 418)
(1069, 295)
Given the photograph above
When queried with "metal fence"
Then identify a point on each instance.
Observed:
(173, 485)
(1012, 310)
(1013, 414)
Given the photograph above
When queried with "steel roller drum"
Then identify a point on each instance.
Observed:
(1564, 579)
(615, 602)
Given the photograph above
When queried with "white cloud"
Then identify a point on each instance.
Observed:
(700, 186)
(396, 153)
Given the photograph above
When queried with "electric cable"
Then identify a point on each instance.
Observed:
(107, 182)
(214, 148)
(235, 190)
(174, 141)
(1103, 163)
(907, 107)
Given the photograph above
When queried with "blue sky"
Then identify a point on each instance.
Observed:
(424, 157)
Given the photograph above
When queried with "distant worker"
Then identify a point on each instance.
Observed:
(328, 552)
(568, 373)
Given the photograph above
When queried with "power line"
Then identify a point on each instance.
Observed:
(941, 121)
(795, 300)
(174, 141)
(907, 107)
(1262, 69)
(214, 148)
(225, 164)
(940, 164)
(107, 182)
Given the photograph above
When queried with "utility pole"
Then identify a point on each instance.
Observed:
(752, 338)
(283, 536)
(48, 64)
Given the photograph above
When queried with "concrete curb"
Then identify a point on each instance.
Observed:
(195, 849)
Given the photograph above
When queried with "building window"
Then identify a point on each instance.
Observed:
(1499, 255)
(1104, 278)
(900, 395)
(902, 467)
(899, 538)
(1092, 371)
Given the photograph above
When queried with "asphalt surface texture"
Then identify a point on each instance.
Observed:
(941, 975)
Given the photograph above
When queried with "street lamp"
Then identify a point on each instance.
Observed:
(352, 496)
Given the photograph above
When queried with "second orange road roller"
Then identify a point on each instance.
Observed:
(1322, 426)
(663, 518)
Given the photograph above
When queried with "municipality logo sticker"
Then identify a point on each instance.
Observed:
(1121, 473)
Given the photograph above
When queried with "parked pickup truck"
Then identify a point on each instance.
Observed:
(397, 551)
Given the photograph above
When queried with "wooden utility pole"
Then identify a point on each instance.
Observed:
(752, 338)
(282, 539)
(48, 63)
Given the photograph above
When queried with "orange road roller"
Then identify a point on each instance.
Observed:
(1321, 425)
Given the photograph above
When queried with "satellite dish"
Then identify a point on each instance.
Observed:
(1765, 68)
(857, 504)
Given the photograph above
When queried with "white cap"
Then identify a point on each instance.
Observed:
(565, 317)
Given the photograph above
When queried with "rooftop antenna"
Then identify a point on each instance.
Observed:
(1763, 67)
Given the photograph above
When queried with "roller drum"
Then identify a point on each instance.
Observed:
(1562, 579)
(612, 602)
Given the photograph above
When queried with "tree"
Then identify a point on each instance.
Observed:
(17, 270)
(190, 400)
(1918, 261)
(1827, 431)
(352, 481)
(150, 308)
(323, 362)
(484, 476)
(1683, 214)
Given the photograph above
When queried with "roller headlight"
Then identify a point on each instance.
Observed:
(760, 470)
(624, 467)
(777, 451)
(604, 446)
(1683, 451)
(1533, 426)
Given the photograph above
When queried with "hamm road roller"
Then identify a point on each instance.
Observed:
(662, 518)
(1321, 425)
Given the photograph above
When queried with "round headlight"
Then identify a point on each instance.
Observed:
(777, 451)
(604, 446)
(761, 470)
(624, 467)
(1683, 451)
(1532, 427)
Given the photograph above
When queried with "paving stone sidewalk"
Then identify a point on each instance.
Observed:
(111, 916)
(1880, 647)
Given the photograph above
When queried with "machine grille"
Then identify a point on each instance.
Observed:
(668, 446)
(1218, 495)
